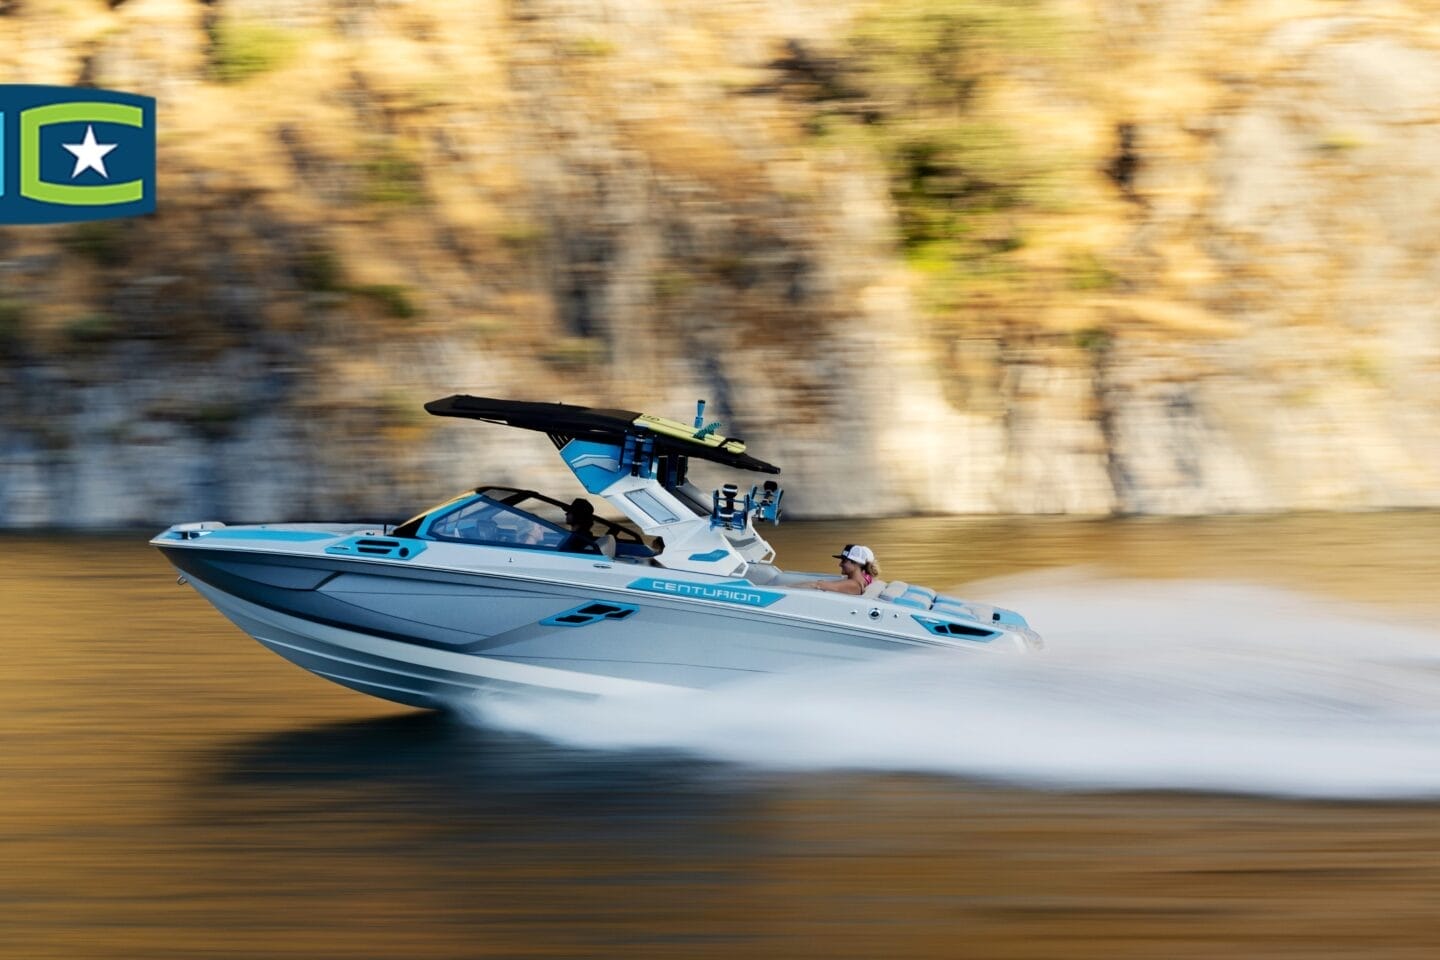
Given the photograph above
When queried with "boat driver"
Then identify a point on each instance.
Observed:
(579, 517)
(858, 570)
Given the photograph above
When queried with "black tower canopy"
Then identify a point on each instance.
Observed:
(564, 422)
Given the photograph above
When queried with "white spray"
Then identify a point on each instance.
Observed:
(1144, 685)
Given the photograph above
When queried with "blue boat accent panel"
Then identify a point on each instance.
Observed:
(593, 611)
(595, 465)
(739, 592)
(711, 557)
(942, 628)
(389, 548)
(279, 536)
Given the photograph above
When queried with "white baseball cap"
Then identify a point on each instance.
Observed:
(856, 554)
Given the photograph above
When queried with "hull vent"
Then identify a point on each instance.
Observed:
(942, 628)
(595, 611)
(387, 547)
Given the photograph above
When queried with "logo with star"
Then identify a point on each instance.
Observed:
(69, 154)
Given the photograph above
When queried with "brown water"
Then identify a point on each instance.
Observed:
(172, 790)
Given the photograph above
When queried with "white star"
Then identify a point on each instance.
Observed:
(89, 155)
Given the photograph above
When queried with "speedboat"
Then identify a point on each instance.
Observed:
(489, 592)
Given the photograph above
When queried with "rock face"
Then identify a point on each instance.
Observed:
(1227, 299)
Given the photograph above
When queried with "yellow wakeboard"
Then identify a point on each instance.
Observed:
(683, 431)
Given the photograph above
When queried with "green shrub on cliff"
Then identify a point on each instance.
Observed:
(241, 49)
(913, 81)
(12, 326)
(91, 328)
(393, 298)
(102, 242)
(391, 176)
(318, 270)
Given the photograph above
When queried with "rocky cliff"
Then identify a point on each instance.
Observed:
(962, 256)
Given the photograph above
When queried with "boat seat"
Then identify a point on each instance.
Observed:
(893, 589)
(606, 545)
(761, 573)
(950, 606)
(908, 595)
(918, 597)
(877, 587)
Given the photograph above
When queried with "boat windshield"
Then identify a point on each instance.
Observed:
(483, 520)
(510, 516)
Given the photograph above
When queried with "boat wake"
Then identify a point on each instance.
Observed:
(1145, 685)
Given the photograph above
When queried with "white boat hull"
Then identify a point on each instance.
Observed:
(399, 671)
(478, 620)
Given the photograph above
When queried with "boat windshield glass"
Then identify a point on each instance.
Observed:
(483, 520)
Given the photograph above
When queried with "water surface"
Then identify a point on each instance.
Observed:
(173, 790)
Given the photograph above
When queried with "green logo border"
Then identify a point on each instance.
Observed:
(32, 187)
